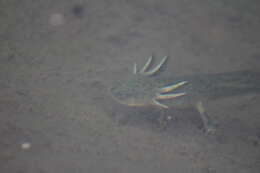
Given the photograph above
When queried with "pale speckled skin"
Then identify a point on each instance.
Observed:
(139, 90)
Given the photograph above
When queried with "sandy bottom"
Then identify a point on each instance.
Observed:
(59, 57)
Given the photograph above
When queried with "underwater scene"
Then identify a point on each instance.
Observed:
(129, 86)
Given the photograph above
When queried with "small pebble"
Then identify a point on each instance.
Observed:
(26, 146)
(169, 117)
(56, 19)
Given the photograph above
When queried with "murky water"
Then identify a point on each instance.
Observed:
(58, 58)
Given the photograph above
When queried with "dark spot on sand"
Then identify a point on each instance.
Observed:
(78, 10)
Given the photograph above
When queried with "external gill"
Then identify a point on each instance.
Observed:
(163, 93)
(147, 65)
